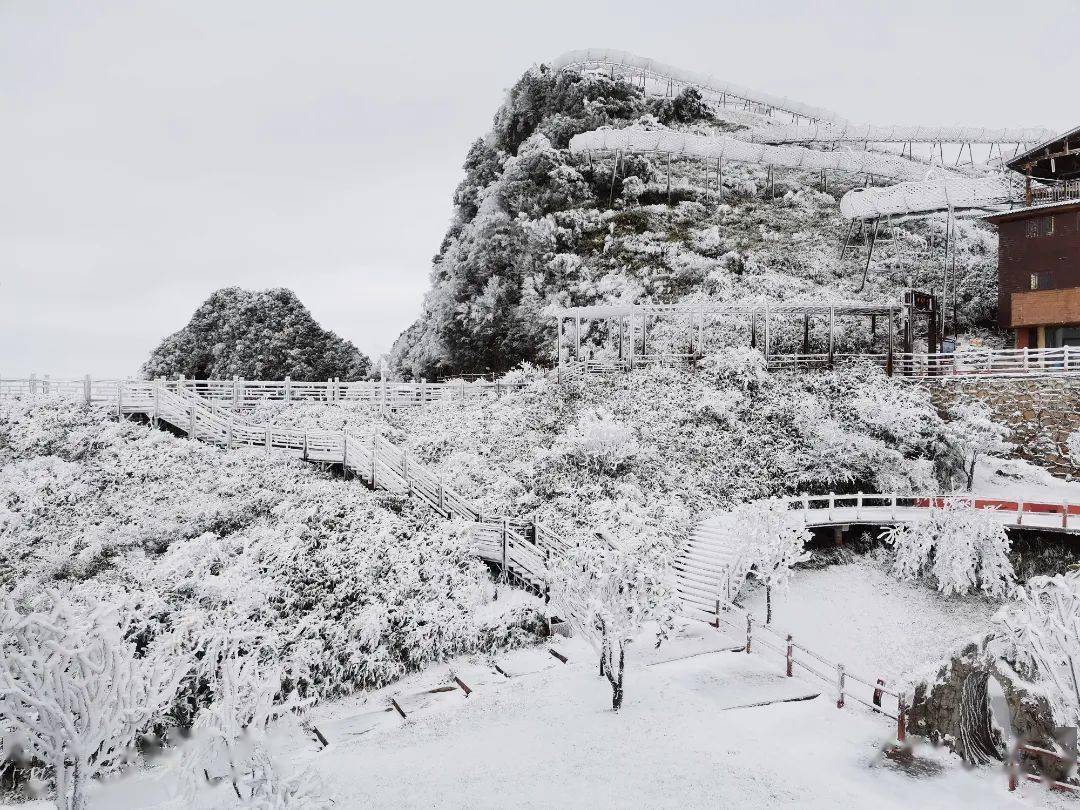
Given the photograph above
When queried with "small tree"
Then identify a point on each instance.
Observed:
(609, 590)
(245, 681)
(973, 431)
(775, 539)
(1042, 625)
(961, 547)
(77, 690)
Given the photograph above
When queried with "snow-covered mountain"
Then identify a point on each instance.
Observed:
(534, 225)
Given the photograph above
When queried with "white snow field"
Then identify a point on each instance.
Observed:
(689, 736)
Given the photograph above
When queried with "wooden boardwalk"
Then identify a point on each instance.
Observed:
(241, 394)
(712, 568)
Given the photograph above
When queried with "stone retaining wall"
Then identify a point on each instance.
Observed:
(1041, 411)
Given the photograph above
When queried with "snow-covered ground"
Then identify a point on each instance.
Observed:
(1015, 478)
(878, 627)
(543, 735)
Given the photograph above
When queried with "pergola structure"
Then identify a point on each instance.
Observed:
(623, 336)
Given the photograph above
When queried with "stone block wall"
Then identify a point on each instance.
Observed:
(1041, 411)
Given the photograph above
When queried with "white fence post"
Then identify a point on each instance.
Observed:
(191, 421)
(840, 684)
(749, 631)
(33, 384)
(790, 655)
(374, 453)
(288, 391)
(86, 389)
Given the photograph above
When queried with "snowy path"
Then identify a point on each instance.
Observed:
(547, 738)
(859, 615)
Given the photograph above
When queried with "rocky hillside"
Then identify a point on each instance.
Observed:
(534, 225)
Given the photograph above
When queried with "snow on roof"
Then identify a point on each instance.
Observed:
(604, 311)
(938, 194)
(593, 57)
(1000, 216)
(1047, 140)
(637, 139)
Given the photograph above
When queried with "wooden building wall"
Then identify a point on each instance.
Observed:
(1043, 243)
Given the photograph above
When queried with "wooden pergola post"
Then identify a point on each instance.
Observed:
(832, 335)
(889, 350)
(558, 349)
(701, 332)
(767, 335)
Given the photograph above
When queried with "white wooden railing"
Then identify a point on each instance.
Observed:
(965, 364)
(990, 363)
(711, 569)
(245, 394)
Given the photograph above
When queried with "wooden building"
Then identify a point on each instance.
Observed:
(1039, 248)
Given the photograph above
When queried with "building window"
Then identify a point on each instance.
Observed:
(1042, 281)
(1039, 227)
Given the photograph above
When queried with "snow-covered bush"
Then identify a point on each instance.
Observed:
(77, 691)
(598, 442)
(368, 586)
(1073, 443)
(1040, 625)
(960, 547)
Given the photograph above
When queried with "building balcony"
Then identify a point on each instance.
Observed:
(1058, 192)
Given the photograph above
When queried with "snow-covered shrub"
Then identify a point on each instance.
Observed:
(1073, 443)
(1040, 625)
(960, 547)
(740, 368)
(77, 691)
(599, 442)
(244, 536)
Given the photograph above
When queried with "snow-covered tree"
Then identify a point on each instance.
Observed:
(265, 334)
(1073, 444)
(775, 540)
(237, 661)
(960, 547)
(973, 431)
(77, 690)
(610, 588)
(1042, 625)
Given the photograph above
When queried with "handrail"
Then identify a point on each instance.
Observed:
(242, 394)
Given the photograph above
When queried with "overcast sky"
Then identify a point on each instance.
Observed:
(151, 152)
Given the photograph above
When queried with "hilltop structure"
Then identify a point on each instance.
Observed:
(1039, 248)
